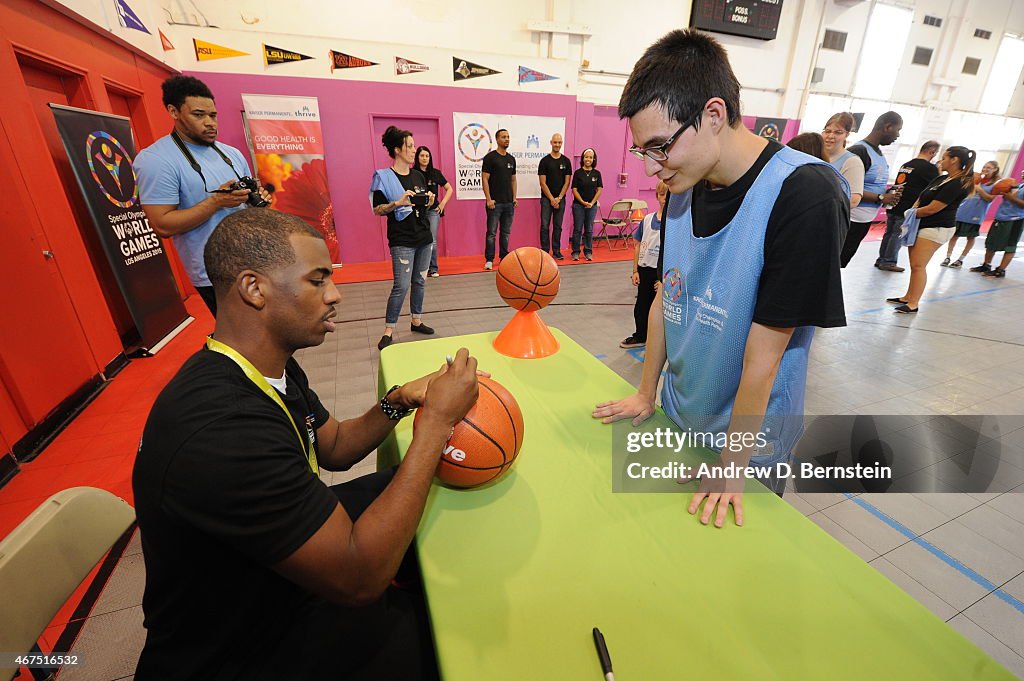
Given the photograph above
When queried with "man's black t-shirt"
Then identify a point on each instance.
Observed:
(914, 175)
(586, 183)
(414, 230)
(223, 491)
(800, 282)
(435, 179)
(950, 192)
(502, 168)
(554, 171)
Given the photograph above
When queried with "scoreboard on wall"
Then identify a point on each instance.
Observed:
(750, 18)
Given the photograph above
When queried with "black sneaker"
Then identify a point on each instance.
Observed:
(384, 342)
(559, 256)
(981, 268)
(906, 309)
(632, 342)
(944, 263)
(422, 328)
(896, 301)
(998, 273)
(956, 264)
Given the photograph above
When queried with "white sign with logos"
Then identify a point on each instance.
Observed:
(530, 141)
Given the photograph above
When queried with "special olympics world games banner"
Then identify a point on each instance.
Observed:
(101, 150)
(288, 148)
(530, 141)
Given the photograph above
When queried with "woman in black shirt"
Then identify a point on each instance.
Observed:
(586, 190)
(936, 209)
(400, 193)
(435, 211)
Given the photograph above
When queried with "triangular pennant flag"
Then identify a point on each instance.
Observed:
(340, 60)
(405, 66)
(164, 41)
(128, 17)
(530, 76)
(275, 55)
(206, 51)
(464, 70)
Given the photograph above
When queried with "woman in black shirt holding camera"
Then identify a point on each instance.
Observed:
(400, 193)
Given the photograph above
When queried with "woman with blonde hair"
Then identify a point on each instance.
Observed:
(936, 209)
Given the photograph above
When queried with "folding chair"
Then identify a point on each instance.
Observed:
(616, 226)
(46, 557)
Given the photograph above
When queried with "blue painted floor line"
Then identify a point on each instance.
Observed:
(939, 553)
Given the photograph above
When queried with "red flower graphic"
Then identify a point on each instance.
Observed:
(306, 195)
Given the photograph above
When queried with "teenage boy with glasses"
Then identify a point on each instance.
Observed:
(749, 263)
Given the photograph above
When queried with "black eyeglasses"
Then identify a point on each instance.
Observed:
(659, 152)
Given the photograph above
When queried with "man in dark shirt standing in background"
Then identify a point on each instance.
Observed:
(555, 173)
(913, 177)
(499, 182)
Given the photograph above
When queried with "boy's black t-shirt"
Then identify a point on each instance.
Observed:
(502, 168)
(950, 192)
(414, 230)
(800, 282)
(223, 491)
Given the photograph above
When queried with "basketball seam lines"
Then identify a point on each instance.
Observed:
(504, 457)
(515, 431)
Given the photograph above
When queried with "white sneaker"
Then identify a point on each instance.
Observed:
(434, 274)
(488, 265)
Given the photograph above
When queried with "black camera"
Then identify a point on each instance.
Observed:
(254, 200)
(420, 198)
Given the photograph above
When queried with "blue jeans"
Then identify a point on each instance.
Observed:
(409, 266)
(583, 225)
(553, 241)
(889, 249)
(501, 213)
(434, 218)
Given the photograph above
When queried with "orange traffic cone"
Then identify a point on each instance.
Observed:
(526, 336)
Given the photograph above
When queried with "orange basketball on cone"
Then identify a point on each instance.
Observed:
(528, 279)
(484, 444)
(1003, 186)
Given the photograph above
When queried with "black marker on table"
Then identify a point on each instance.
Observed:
(602, 655)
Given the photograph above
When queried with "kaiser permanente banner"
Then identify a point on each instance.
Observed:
(101, 149)
(288, 148)
(530, 141)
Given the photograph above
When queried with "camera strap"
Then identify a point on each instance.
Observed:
(195, 164)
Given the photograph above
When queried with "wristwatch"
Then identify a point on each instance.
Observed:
(391, 411)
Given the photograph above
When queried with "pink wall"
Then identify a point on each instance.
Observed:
(348, 109)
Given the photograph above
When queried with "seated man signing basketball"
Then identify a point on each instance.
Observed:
(254, 568)
(749, 264)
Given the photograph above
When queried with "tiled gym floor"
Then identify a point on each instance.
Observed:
(961, 555)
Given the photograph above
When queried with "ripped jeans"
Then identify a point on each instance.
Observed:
(409, 266)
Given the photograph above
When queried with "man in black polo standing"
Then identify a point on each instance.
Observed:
(499, 183)
(555, 174)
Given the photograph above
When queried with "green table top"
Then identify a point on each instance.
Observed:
(518, 573)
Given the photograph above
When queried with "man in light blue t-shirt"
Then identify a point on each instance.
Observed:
(184, 203)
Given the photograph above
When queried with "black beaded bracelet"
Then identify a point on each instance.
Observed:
(391, 411)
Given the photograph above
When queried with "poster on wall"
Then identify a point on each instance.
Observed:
(288, 151)
(528, 75)
(403, 66)
(770, 128)
(529, 143)
(340, 60)
(101, 150)
(206, 51)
